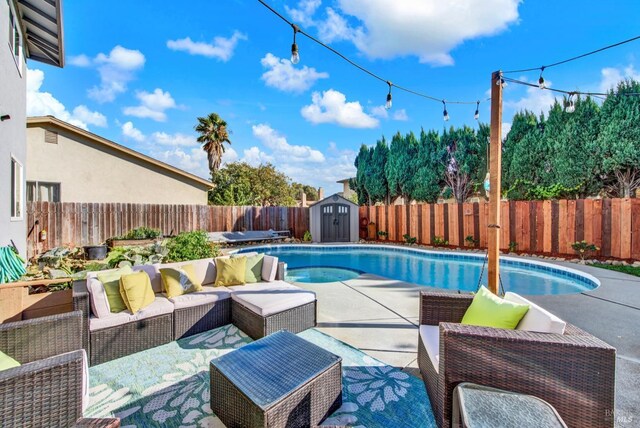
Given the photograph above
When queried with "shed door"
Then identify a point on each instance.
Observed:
(335, 225)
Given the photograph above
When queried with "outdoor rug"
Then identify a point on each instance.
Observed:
(168, 386)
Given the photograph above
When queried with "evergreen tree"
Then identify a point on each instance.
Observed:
(362, 164)
(522, 125)
(428, 167)
(398, 170)
(377, 186)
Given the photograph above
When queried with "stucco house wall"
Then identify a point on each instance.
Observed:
(13, 89)
(90, 168)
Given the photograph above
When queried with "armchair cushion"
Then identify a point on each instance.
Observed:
(6, 362)
(160, 306)
(268, 299)
(230, 271)
(430, 336)
(269, 268)
(489, 310)
(537, 318)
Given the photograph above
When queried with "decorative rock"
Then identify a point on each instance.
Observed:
(617, 263)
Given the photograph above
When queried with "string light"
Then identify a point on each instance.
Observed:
(600, 95)
(541, 79)
(295, 54)
(445, 113)
(500, 81)
(570, 106)
(476, 115)
(389, 102)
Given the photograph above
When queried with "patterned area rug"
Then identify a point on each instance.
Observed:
(168, 386)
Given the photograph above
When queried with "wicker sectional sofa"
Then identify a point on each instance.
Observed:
(257, 309)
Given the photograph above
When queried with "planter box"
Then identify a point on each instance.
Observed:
(49, 303)
(17, 304)
(130, 242)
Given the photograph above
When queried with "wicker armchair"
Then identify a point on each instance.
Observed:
(47, 389)
(574, 372)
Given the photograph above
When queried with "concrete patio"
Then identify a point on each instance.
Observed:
(380, 317)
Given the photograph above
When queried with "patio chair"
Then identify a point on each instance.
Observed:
(49, 388)
(574, 371)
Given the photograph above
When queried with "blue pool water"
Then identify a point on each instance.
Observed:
(320, 274)
(454, 271)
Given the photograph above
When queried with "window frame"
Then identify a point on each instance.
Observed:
(17, 197)
(36, 190)
(16, 39)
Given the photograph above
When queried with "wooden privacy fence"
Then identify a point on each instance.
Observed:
(548, 227)
(92, 223)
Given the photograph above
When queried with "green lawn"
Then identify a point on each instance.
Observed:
(631, 270)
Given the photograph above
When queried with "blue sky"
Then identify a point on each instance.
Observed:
(140, 72)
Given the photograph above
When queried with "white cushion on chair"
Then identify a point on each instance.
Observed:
(430, 335)
(97, 296)
(204, 297)
(271, 298)
(269, 268)
(537, 318)
(160, 306)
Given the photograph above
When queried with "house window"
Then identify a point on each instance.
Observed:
(16, 190)
(15, 41)
(40, 191)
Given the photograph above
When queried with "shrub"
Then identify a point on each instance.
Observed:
(141, 233)
(583, 248)
(382, 234)
(409, 239)
(513, 247)
(471, 241)
(190, 246)
(307, 236)
(437, 240)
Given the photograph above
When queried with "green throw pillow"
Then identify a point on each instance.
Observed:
(111, 283)
(179, 281)
(136, 291)
(253, 271)
(489, 310)
(230, 271)
(6, 362)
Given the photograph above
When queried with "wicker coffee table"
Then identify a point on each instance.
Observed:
(278, 381)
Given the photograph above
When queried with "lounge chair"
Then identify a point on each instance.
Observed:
(573, 371)
(248, 236)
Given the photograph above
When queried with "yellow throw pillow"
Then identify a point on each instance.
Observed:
(230, 271)
(136, 291)
(111, 283)
(489, 310)
(179, 281)
(6, 362)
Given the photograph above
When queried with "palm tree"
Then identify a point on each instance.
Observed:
(213, 134)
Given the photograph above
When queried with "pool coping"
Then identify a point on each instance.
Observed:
(584, 278)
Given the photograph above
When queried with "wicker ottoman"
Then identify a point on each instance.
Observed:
(278, 381)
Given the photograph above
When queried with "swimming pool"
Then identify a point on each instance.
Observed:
(320, 274)
(450, 270)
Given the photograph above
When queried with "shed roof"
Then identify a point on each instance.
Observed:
(41, 21)
(335, 197)
(42, 121)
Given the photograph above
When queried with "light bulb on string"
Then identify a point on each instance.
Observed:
(500, 81)
(445, 113)
(570, 106)
(476, 116)
(541, 84)
(389, 103)
(295, 54)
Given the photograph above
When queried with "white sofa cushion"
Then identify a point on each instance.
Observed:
(206, 296)
(430, 335)
(536, 319)
(205, 270)
(160, 306)
(97, 296)
(266, 299)
(85, 380)
(269, 268)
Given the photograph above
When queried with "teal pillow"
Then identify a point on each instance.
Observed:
(489, 310)
(6, 362)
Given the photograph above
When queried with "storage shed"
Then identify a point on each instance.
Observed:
(334, 219)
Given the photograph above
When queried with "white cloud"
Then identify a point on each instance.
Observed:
(177, 139)
(281, 148)
(116, 70)
(332, 107)
(282, 75)
(79, 61)
(400, 115)
(380, 112)
(612, 76)
(152, 105)
(131, 132)
(222, 48)
(506, 127)
(83, 114)
(192, 160)
(44, 104)
(536, 100)
(430, 30)
(303, 13)
(254, 157)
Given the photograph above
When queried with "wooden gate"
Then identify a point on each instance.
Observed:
(335, 226)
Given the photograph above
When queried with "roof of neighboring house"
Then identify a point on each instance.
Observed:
(41, 22)
(42, 121)
(344, 180)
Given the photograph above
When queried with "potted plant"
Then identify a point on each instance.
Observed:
(95, 252)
